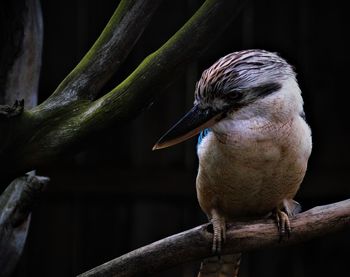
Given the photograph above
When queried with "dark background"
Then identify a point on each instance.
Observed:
(116, 194)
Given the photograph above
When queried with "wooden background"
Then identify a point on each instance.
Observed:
(116, 194)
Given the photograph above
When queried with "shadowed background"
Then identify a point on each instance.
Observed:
(117, 195)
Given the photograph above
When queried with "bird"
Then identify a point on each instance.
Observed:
(253, 148)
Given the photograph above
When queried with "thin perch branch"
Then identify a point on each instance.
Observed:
(195, 244)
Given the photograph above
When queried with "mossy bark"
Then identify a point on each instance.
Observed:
(69, 115)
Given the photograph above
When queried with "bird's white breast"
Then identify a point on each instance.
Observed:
(256, 157)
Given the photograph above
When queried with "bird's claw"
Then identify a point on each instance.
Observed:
(219, 236)
(283, 224)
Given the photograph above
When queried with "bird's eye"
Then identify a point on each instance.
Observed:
(234, 95)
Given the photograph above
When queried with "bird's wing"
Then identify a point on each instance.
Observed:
(292, 207)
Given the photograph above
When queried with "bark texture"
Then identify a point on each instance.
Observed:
(21, 31)
(15, 208)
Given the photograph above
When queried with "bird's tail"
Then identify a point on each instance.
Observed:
(223, 266)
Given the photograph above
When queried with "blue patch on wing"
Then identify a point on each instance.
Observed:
(202, 135)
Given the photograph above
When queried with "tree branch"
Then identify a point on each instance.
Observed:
(140, 88)
(46, 131)
(106, 55)
(21, 32)
(147, 81)
(20, 52)
(20, 55)
(195, 243)
(15, 207)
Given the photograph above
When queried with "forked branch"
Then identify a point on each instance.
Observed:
(69, 115)
(148, 79)
(195, 244)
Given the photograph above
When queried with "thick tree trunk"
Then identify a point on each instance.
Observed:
(20, 52)
(21, 32)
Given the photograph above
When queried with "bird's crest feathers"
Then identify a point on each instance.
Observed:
(239, 75)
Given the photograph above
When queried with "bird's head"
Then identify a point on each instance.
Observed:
(231, 83)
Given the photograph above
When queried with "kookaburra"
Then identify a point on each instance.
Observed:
(253, 148)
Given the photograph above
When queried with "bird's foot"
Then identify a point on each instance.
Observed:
(283, 224)
(219, 230)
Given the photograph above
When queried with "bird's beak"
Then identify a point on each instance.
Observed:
(190, 125)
